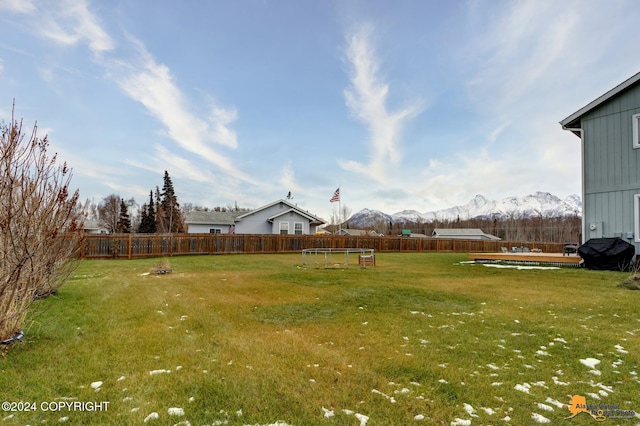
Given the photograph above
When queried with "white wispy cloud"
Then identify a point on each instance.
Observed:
(367, 101)
(220, 119)
(146, 81)
(517, 50)
(152, 84)
(180, 166)
(70, 22)
(18, 6)
(288, 180)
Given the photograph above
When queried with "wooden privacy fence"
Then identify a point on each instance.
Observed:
(130, 246)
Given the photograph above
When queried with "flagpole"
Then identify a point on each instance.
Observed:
(339, 210)
(336, 197)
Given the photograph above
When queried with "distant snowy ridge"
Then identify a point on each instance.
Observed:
(534, 205)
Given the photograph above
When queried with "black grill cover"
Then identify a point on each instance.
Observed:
(611, 254)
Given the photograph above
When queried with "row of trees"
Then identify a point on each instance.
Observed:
(538, 228)
(161, 214)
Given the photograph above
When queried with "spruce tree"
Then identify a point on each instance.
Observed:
(144, 220)
(151, 216)
(148, 219)
(158, 213)
(124, 222)
(172, 218)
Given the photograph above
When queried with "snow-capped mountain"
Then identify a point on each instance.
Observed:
(534, 205)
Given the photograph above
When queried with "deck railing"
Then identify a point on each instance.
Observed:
(130, 246)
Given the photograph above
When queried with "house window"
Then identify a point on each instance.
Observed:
(214, 230)
(635, 123)
(636, 217)
(284, 228)
(297, 228)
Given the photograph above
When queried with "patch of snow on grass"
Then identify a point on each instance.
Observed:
(558, 382)
(489, 411)
(96, 385)
(418, 417)
(363, 419)
(152, 416)
(460, 422)
(328, 413)
(175, 411)
(590, 362)
(601, 386)
(554, 402)
(539, 418)
(525, 387)
(545, 407)
(469, 409)
(154, 372)
(390, 398)
(620, 349)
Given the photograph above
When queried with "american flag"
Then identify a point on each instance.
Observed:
(336, 196)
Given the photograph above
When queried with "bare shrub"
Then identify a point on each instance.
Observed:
(41, 224)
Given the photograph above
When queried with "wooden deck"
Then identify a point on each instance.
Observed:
(542, 258)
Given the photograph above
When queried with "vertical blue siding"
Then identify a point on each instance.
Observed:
(611, 165)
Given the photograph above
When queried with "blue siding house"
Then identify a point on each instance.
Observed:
(609, 129)
(280, 217)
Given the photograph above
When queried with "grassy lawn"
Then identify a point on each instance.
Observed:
(259, 339)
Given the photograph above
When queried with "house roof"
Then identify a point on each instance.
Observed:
(573, 121)
(312, 218)
(358, 232)
(457, 232)
(217, 218)
(92, 225)
(231, 217)
(309, 216)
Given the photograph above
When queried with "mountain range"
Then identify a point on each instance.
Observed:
(534, 205)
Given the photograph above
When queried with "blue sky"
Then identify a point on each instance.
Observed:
(404, 104)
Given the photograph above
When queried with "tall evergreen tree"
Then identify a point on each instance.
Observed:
(151, 214)
(124, 221)
(144, 219)
(148, 217)
(170, 209)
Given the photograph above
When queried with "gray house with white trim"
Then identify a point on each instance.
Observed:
(463, 234)
(609, 130)
(199, 222)
(280, 217)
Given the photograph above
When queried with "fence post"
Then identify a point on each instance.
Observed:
(130, 245)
